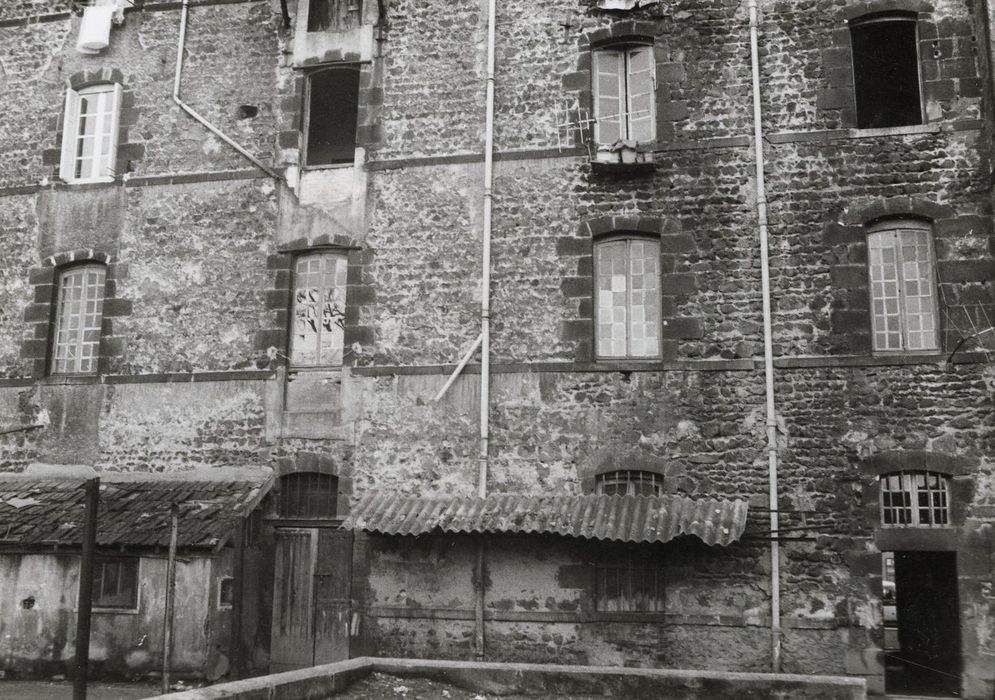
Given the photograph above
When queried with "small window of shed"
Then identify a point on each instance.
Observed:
(886, 70)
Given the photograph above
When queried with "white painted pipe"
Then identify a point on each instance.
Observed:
(189, 110)
(771, 421)
(456, 372)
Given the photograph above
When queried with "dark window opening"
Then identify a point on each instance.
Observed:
(308, 495)
(336, 15)
(886, 71)
(115, 584)
(226, 592)
(333, 104)
(628, 587)
(629, 482)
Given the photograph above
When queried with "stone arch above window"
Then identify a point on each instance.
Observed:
(106, 346)
(916, 460)
(854, 11)
(895, 207)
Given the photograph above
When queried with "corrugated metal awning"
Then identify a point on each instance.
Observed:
(623, 518)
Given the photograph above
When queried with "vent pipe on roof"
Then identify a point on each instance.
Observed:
(771, 422)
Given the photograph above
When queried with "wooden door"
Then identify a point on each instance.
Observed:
(332, 591)
(292, 640)
(311, 591)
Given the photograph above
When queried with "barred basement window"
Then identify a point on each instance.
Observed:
(626, 587)
(629, 482)
(308, 495)
(917, 499)
(317, 337)
(627, 298)
(332, 114)
(624, 85)
(902, 288)
(886, 70)
(115, 584)
(79, 310)
(89, 137)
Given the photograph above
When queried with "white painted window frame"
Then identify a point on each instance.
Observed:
(625, 108)
(64, 325)
(600, 247)
(105, 134)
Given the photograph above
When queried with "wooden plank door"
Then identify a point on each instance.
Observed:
(332, 608)
(292, 639)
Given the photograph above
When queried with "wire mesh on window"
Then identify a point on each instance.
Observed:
(308, 495)
(916, 499)
(629, 482)
(629, 588)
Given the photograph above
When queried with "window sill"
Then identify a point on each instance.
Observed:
(90, 181)
(327, 166)
(71, 379)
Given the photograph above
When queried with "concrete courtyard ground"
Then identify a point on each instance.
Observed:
(48, 690)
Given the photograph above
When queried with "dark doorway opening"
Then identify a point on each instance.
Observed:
(922, 627)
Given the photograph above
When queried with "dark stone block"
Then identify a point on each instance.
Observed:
(845, 276)
(569, 245)
(686, 328)
(116, 308)
(575, 330)
(677, 243)
(270, 338)
(277, 298)
(678, 283)
(573, 287)
(37, 312)
(966, 270)
(846, 321)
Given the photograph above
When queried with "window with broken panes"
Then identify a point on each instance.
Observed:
(319, 310)
(917, 499)
(629, 482)
(79, 309)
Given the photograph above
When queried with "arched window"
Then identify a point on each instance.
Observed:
(308, 495)
(78, 316)
(629, 482)
(915, 498)
(886, 70)
(627, 297)
(318, 321)
(902, 286)
(89, 133)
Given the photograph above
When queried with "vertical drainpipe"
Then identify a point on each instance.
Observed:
(771, 421)
(485, 317)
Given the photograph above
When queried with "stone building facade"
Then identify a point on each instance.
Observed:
(281, 245)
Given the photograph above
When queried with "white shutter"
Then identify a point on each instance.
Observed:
(609, 95)
(640, 94)
(69, 127)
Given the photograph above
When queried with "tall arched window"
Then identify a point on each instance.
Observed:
(886, 70)
(78, 317)
(627, 297)
(904, 313)
(915, 498)
(318, 322)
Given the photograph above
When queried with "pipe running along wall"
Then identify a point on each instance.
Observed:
(181, 43)
(771, 414)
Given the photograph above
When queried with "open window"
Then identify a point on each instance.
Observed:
(90, 131)
(915, 499)
(624, 87)
(78, 317)
(115, 584)
(886, 70)
(904, 313)
(333, 15)
(627, 298)
(332, 111)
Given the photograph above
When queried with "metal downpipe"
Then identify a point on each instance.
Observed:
(485, 315)
(181, 43)
(771, 417)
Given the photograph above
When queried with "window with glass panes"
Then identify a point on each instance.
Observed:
(918, 499)
(79, 308)
(89, 142)
(624, 99)
(319, 310)
(627, 300)
(629, 482)
(115, 583)
(902, 287)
